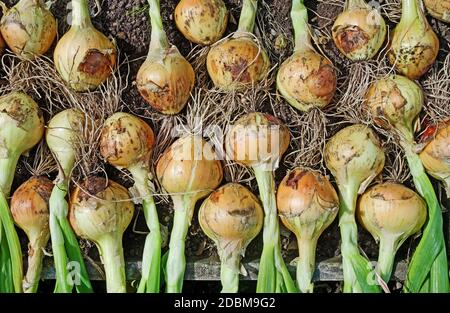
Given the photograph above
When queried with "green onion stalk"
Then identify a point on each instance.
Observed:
(259, 141)
(127, 143)
(22, 127)
(306, 79)
(62, 136)
(395, 103)
(188, 170)
(355, 158)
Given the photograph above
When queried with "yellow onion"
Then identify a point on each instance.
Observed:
(84, 57)
(395, 102)
(100, 211)
(189, 170)
(29, 28)
(239, 62)
(166, 78)
(359, 31)
(439, 9)
(29, 208)
(307, 204)
(307, 79)
(232, 217)
(436, 156)
(391, 213)
(2, 44)
(414, 46)
(201, 21)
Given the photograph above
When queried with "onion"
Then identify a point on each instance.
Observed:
(238, 62)
(439, 9)
(101, 211)
(307, 79)
(307, 204)
(391, 213)
(395, 103)
(29, 28)
(22, 127)
(414, 45)
(127, 143)
(201, 21)
(62, 139)
(29, 208)
(166, 79)
(232, 217)
(84, 57)
(259, 141)
(189, 170)
(359, 31)
(355, 157)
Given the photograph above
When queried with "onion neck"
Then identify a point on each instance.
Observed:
(306, 263)
(354, 4)
(411, 11)
(158, 39)
(7, 172)
(248, 16)
(80, 14)
(299, 16)
(386, 256)
(38, 242)
(111, 253)
(229, 270)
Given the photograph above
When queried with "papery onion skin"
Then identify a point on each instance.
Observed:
(307, 80)
(166, 81)
(126, 141)
(439, 9)
(29, 28)
(359, 33)
(201, 21)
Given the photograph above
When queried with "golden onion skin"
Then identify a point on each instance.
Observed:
(2, 44)
(307, 80)
(237, 63)
(190, 165)
(166, 80)
(201, 21)
(85, 58)
(29, 28)
(391, 209)
(357, 35)
(251, 141)
(439, 9)
(126, 141)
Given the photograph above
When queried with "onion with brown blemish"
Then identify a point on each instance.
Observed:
(166, 78)
(307, 79)
(100, 211)
(201, 21)
(414, 46)
(391, 213)
(439, 9)
(29, 28)
(232, 217)
(29, 208)
(359, 31)
(84, 57)
(239, 62)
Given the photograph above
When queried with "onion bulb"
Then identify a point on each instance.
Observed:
(307, 204)
(259, 141)
(359, 31)
(414, 46)
(201, 21)
(100, 211)
(2, 44)
(29, 28)
(29, 208)
(239, 62)
(391, 213)
(232, 217)
(307, 79)
(439, 9)
(166, 78)
(189, 170)
(84, 57)
(355, 157)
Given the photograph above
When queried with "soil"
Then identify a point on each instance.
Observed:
(127, 21)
